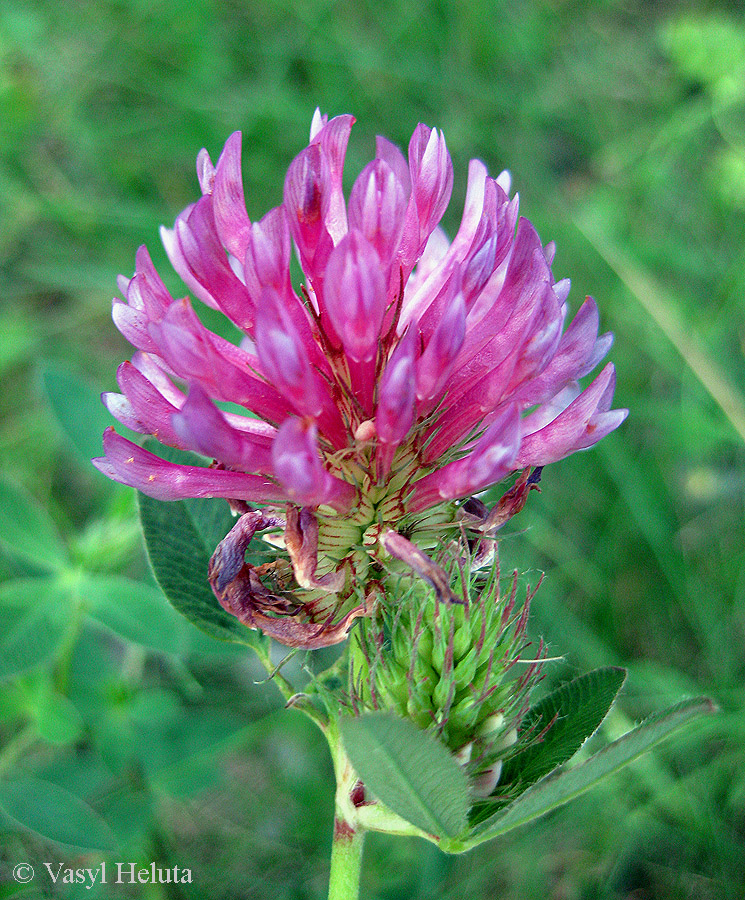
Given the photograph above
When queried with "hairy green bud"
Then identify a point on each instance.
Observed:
(462, 671)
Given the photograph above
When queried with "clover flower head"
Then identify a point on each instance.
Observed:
(406, 373)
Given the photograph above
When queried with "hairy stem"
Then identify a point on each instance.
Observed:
(346, 861)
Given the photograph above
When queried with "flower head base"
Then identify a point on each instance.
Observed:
(405, 374)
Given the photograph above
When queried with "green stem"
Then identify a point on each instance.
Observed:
(67, 647)
(346, 861)
(284, 686)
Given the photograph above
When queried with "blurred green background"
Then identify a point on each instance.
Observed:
(623, 124)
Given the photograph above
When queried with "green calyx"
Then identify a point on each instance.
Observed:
(353, 540)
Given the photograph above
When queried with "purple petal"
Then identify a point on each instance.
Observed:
(129, 464)
(570, 429)
(355, 295)
(221, 368)
(231, 218)
(285, 362)
(267, 265)
(150, 407)
(146, 289)
(268, 250)
(300, 471)
(133, 324)
(334, 137)
(575, 349)
(431, 175)
(481, 243)
(390, 154)
(599, 426)
(397, 393)
(307, 194)
(204, 428)
(435, 363)
(208, 271)
(377, 205)
(486, 463)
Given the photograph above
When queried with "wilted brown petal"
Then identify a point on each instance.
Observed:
(402, 548)
(301, 540)
(242, 593)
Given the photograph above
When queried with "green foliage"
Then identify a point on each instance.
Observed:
(563, 785)
(409, 771)
(415, 777)
(77, 408)
(561, 723)
(135, 611)
(180, 538)
(35, 612)
(26, 531)
(56, 814)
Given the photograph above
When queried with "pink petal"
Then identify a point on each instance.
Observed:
(397, 393)
(569, 429)
(431, 172)
(355, 295)
(129, 464)
(436, 362)
(150, 407)
(222, 369)
(146, 290)
(204, 428)
(152, 368)
(208, 271)
(205, 172)
(285, 362)
(267, 265)
(307, 195)
(300, 471)
(390, 154)
(487, 462)
(334, 137)
(231, 218)
(377, 204)
(576, 349)
(431, 175)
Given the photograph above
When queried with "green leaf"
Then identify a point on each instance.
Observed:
(137, 612)
(54, 813)
(409, 771)
(176, 537)
(26, 531)
(129, 812)
(78, 410)
(57, 719)
(19, 337)
(576, 710)
(564, 785)
(33, 614)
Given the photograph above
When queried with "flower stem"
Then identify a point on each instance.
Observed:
(346, 861)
